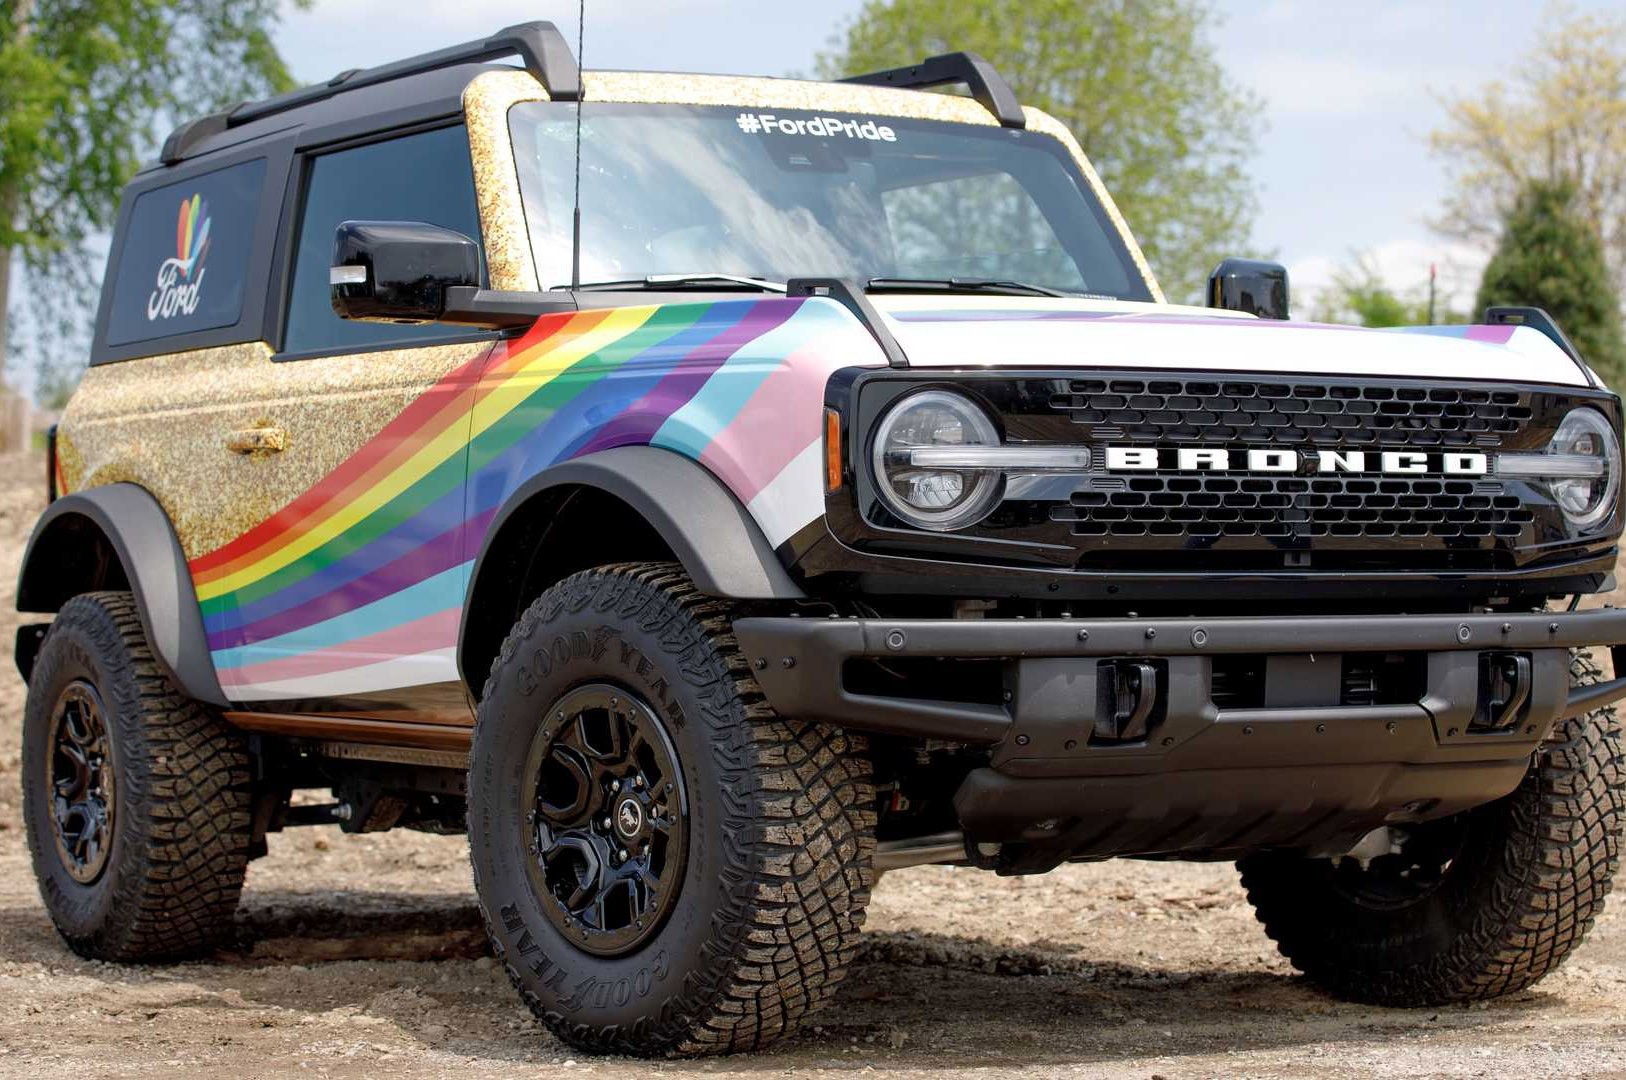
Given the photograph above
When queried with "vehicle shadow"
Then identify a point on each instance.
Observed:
(420, 965)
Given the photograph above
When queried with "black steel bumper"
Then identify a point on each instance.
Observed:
(1299, 767)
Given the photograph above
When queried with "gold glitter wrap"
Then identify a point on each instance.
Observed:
(488, 98)
(163, 422)
(486, 101)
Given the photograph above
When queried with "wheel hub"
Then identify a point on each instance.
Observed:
(629, 819)
(606, 823)
(82, 783)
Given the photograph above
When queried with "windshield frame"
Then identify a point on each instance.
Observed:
(489, 98)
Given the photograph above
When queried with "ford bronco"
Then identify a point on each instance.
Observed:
(710, 493)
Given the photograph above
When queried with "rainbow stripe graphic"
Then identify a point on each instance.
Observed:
(191, 237)
(357, 585)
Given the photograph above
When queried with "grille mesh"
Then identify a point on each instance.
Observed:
(1282, 414)
(1289, 507)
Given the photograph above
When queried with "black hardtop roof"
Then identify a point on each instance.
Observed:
(434, 82)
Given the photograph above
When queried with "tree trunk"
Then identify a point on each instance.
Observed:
(22, 22)
(5, 298)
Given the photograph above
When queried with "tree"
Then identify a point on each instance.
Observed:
(1550, 257)
(1360, 295)
(84, 86)
(1136, 81)
(1562, 119)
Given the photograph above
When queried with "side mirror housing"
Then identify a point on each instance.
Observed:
(399, 271)
(1259, 288)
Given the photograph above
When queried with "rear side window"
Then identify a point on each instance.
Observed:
(423, 177)
(184, 263)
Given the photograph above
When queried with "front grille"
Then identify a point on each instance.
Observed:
(1281, 413)
(1288, 507)
(1356, 517)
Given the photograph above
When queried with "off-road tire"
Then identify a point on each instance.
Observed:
(180, 828)
(1529, 880)
(781, 822)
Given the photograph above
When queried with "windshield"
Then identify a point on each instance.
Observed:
(668, 189)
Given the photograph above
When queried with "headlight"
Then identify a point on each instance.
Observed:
(939, 497)
(1580, 468)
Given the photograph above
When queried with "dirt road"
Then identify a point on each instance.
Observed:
(362, 956)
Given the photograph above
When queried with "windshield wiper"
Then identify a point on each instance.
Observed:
(657, 282)
(997, 287)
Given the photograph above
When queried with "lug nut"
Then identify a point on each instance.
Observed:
(615, 786)
(607, 823)
(638, 783)
(621, 855)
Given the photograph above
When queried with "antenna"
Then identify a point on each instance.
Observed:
(576, 212)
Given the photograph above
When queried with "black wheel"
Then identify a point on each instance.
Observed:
(664, 864)
(1475, 906)
(135, 798)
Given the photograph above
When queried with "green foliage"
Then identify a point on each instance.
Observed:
(1138, 84)
(85, 89)
(1550, 257)
(1360, 296)
(1559, 117)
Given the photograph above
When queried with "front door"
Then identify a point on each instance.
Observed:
(340, 585)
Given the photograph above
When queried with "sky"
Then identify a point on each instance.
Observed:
(1351, 92)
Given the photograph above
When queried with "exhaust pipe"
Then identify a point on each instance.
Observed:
(938, 848)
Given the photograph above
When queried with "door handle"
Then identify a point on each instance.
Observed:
(257, 440)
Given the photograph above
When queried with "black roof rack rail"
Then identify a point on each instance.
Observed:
(967, 69)
(540, 45)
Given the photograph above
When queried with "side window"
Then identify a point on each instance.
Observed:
(423, 177)
(184, 263)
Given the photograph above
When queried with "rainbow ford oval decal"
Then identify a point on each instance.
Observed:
(180, 278)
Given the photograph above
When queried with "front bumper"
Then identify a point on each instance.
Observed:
(1299, 766)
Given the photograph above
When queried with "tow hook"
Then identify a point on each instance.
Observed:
(1127, 690)
(1504, 690)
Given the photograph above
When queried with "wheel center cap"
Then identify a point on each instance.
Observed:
(629, 818)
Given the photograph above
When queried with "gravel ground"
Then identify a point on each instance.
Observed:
(363, 956)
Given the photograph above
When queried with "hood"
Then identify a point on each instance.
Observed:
(972, 331)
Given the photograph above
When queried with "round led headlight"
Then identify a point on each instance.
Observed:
(1585, 488)
(932, 496)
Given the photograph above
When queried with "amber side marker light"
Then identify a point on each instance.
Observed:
(832, 451)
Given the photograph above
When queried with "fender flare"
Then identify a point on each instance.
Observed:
(712, 535)
(144, 541)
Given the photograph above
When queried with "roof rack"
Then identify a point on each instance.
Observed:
(966, 69)
(539, 44)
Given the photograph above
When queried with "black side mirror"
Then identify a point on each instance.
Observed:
(1259, 288)
(399, 271)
